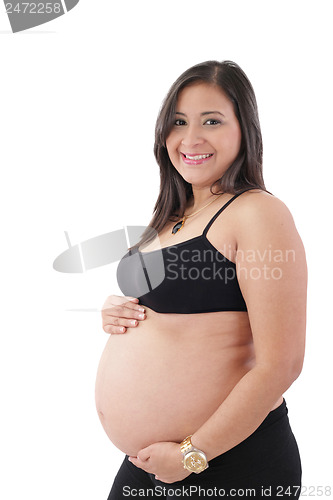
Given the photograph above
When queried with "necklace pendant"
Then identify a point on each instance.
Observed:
(177, 227)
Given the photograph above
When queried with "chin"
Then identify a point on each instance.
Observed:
(198, 180)
(194, 175)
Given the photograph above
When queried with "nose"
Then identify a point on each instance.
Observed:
(192, 136)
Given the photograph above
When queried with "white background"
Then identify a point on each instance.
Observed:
(79, 99)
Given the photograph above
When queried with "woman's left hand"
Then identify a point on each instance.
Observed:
(164, 460)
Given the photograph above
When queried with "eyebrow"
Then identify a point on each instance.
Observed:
(202, 114)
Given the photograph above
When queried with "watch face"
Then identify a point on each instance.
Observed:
(195, 461)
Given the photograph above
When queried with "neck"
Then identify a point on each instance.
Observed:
(201, 197)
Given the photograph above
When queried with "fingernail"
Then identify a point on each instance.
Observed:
(134, 322)
(141, 309)
(141, 316)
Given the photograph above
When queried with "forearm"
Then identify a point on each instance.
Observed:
(242, 411)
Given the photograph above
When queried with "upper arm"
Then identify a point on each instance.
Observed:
(272, 274)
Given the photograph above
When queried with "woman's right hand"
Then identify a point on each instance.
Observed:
(121, 312)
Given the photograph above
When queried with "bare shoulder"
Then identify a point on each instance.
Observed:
(256, 200)
(261, 208)
(262, 216)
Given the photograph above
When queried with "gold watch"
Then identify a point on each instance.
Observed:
(194, 460)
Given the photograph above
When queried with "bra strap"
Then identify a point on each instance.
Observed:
(221, 210)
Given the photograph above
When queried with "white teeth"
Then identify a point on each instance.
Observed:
(198, 157)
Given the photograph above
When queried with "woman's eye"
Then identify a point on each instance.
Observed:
(180, 122)
(211, 121)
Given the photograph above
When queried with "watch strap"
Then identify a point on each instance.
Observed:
(186, 444)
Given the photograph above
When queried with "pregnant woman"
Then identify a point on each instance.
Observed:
(210, 332)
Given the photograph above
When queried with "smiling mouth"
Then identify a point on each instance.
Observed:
(197, 157)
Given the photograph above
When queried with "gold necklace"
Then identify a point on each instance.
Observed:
(177, 227)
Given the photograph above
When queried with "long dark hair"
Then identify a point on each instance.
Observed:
(244, 173)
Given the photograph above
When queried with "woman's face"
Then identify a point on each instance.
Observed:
(206, 136)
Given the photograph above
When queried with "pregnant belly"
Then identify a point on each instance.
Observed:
(161, 384)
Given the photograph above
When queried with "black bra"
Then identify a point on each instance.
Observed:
(189, 277)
